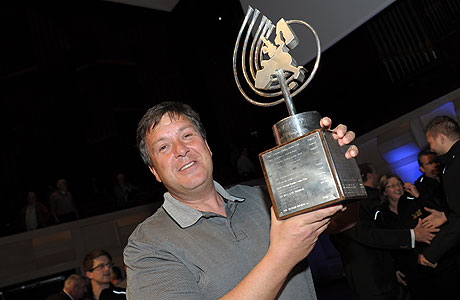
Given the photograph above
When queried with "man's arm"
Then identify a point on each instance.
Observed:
(445, 240)
(365, 232)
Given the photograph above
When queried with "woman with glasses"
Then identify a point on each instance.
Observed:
(402, 207)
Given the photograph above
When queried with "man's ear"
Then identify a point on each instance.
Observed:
(206, 142)
(154, 172)
(442, 138)
(422, 169)
(89, 274)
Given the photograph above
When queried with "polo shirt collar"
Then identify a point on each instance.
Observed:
(185, 215)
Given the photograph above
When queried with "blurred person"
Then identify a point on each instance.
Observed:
(207, 242)
(118, 278)
(443, 136)
(124, 191)
(74, 288)
(365, 249)
(245, 167)
(62, 205)
(403, 207)
(97, 265)
(34, 214)
(429, 183)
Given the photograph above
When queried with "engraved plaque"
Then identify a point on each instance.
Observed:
(308, 173)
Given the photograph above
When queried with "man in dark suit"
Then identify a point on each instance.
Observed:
(364, 249)
(443, 136)
(74, 288)
(429, 183)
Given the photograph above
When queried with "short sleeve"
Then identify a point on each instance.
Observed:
(157, 274)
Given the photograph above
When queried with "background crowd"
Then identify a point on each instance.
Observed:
(404, 245)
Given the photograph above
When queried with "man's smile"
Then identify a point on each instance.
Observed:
(187, 166)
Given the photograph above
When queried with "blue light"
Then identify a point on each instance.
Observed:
(401, 153)
(445, 109)
(409, 172)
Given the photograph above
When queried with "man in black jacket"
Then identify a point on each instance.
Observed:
(97, 266)
(443, 136)
(429, 183)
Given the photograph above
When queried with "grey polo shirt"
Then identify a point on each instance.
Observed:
(182, 253)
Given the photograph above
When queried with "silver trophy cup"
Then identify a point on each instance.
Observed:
(307, 169)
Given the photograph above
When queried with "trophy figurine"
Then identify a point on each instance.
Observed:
(307, 169)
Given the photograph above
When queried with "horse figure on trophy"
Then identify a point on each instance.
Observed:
(279, 58)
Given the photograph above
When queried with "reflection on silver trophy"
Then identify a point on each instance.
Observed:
(307, 169)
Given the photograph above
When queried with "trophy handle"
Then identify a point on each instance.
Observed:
(286, 94)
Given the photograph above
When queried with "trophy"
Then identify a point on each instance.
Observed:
(307, 170)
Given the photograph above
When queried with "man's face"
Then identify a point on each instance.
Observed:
(436, 143)
(181, 157)
(373, 178)
(62, 185)
(429, 167)
(102, 270)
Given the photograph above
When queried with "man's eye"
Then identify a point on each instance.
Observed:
(162, 148)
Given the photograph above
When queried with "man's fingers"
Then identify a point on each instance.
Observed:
(352, 152)
(325, 123)
(340, 131)
(322, 215)
(348, 137)
(434, 229)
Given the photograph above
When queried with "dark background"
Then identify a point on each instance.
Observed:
(76, 77)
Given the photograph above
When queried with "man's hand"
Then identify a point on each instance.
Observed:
(423, 234)
(292, 239)
(411, 189)
(435, 219)
(342, 135)
(424, 262)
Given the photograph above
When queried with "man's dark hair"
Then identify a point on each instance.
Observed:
(88, 261)
(445, 125)
(153, 116)
(116, 272)
(422, 153)
(364, 169)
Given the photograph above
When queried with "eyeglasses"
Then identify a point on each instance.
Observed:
(101, 266)
(395, 185)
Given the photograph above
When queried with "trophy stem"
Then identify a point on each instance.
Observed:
(287, 96)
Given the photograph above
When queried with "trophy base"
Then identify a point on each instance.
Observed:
(308, 173)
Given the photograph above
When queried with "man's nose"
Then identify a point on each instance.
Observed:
(180, 148)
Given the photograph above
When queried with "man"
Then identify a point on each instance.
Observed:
(429, 184)
(443, 136)
(97, 266)
(62, 205)
(364, 249)
(34, 214)
(206, 242)
(118, 279)
(74, 289)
